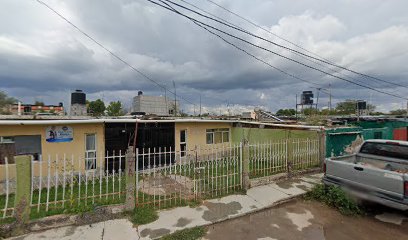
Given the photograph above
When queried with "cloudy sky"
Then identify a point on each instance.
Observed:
(44, 58)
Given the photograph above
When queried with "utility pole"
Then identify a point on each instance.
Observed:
(200, 105)
(165, 99)
(228, 107)
(330, 98)
(175, 99)
(296, 108)
(406, 114)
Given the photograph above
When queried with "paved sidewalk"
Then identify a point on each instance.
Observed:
(169, 221)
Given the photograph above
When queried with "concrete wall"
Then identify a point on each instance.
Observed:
(260, 135)
(75, 148)
(196, 133)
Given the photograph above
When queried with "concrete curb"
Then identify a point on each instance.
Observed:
(105, 213)
(100, 214)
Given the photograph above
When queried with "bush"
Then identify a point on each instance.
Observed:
(186, 234)
(334, 197)
(143, 215)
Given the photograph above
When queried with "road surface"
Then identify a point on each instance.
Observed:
(313, 221)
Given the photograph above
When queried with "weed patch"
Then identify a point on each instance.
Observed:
(334, 197)
(143, 215)
(186, 234)
(7, 220)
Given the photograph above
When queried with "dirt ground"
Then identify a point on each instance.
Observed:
(313, 221)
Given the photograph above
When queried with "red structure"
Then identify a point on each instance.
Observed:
(401, 134)
(32, 109)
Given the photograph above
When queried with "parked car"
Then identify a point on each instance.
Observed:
(378, 172)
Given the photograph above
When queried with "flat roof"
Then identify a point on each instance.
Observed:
(124, 120)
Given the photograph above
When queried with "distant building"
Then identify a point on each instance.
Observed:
(157, 105)
(78, 103)
(249, 115)
(33, 109)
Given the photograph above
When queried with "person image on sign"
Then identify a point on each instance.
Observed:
(52, 133)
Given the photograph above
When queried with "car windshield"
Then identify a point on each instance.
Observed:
(386, 150)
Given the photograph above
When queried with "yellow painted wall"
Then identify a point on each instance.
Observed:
(74, 150)
(196, 134)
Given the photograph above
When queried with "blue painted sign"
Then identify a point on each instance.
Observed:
(55, 134)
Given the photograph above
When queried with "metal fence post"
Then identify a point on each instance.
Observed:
(130, 169)
(23, 189)
(245, 164)
(289, 156)
(322, 146)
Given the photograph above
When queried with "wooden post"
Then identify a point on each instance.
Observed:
(23, 189)
(130, 169)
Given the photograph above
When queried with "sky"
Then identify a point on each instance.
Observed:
(43, 58)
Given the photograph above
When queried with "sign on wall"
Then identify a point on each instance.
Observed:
(59, 134)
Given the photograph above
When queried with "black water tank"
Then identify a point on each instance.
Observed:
(307, 97)
(139, 93)
(78, 97)
(361, 105)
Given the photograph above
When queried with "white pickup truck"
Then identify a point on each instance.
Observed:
(378, 172)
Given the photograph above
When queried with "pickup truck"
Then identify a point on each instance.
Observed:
(378, 172)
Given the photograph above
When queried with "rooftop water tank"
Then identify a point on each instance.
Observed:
(78, 97)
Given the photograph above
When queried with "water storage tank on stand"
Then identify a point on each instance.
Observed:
(307, 98)
(78, 103)
(78, 97)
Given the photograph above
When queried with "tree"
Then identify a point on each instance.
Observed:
(286, 112)
(5, 102)
(398, 112)
(346, 107)
(97, 108)
(115, 109)
(39, 103)
(310, 111)
(350, 106)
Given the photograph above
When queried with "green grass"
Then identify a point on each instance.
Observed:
(143, 215)
(7, 220)
(75, 201)
(334, 197)
(186, 234)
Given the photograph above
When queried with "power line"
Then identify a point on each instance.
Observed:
(300, 47)
(232, 44)
(303, 55)
(236, 27)
(202, 24)
(110, 52)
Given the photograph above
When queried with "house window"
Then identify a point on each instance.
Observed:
(7, 150)
(27, 109)
(90, 151)
(6, 139)
(210, 136)
(28, 145)
(215, 136)
(183, 142)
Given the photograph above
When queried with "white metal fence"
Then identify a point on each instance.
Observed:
(305, 153)
(278, 156)
(168, 178)
(164, 177)
(63, 183)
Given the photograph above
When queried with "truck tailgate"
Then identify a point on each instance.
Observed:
(380, 182)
